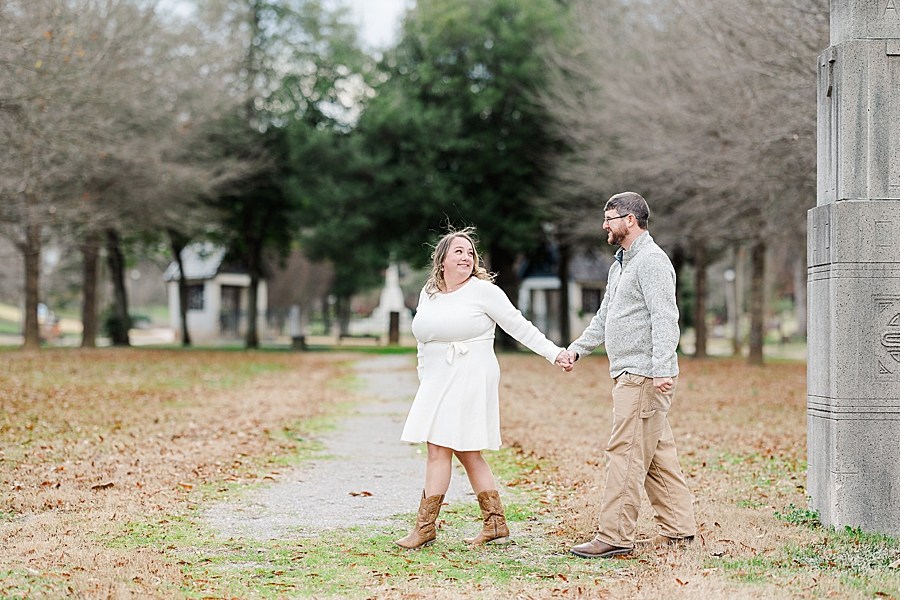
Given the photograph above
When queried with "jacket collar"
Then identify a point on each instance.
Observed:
(625, 256)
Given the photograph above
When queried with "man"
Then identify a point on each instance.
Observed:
(638, 322)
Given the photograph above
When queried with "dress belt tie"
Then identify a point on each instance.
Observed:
(461, 347)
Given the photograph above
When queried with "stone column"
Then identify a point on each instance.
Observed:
(853, 262)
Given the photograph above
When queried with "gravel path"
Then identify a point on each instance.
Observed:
(363, 455)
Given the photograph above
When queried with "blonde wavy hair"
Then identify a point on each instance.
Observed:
(436, 281)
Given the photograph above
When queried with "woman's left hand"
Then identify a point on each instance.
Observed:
(565, 360)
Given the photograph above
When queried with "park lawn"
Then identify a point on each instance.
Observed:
(91, 441)
(108, 458)
(741, 435)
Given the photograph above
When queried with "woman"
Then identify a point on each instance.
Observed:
(457, 407)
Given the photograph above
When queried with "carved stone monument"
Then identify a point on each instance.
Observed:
(391, 300)
(854, 273)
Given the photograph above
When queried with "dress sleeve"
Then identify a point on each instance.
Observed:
(498, 307)
(420, 358)
(420, 347)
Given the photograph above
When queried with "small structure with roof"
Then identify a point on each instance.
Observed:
(218, 295)
(539, 291)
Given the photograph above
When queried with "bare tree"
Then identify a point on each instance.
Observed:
(104, 116)
(707, 107)
(60, 68)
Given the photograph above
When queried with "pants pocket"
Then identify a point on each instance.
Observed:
(652, 400)
(662, 401)
(645, 385)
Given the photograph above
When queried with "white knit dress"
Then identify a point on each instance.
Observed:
(458, 405)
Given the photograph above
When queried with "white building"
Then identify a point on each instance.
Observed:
(540, 296)
(218, 295)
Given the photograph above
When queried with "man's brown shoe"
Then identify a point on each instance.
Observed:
(597, 549)
(664, 540)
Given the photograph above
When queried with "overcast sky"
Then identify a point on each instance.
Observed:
(379, 20)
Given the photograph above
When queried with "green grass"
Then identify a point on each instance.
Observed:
(868, 563)
(127, 373)
(353, 562)
(799, 516)
(349, 563)
(366, 349)
(756, 478)
(20, 584)
(10, 328)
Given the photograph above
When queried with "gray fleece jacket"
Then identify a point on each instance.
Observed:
(638, 318)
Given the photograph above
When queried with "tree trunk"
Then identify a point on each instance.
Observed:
(503, 263)
(737, 338)
(342, 310)
(31, 251)
(757, 301)
(326, 314)
(252, 297)
(255, 271)
(177, 242)
(677, 259)
(565, 329)
(800, 295)
(90, 251)
(120, 322)
(701, 262)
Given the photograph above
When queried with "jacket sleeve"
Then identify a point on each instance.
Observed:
(595, 334)
(498, 307)
(657, 279)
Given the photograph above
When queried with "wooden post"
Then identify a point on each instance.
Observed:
(394, 330)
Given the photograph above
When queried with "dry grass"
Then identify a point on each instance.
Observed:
(93, 444)
(741, 435)
(93, 439)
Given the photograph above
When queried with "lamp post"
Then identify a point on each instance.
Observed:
(734, 318)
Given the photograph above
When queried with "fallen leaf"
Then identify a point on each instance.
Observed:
(363, 493)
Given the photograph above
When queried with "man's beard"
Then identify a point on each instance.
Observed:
(616, 236)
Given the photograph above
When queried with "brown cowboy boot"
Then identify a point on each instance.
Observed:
(495, 529)
(425, 531)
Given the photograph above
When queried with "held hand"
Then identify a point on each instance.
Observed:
(663, 384)
(565, 360)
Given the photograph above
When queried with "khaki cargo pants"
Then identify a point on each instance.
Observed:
(641, 452)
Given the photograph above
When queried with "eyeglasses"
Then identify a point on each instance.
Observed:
(608, 219)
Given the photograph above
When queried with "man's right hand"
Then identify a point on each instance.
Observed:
(566, 360)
